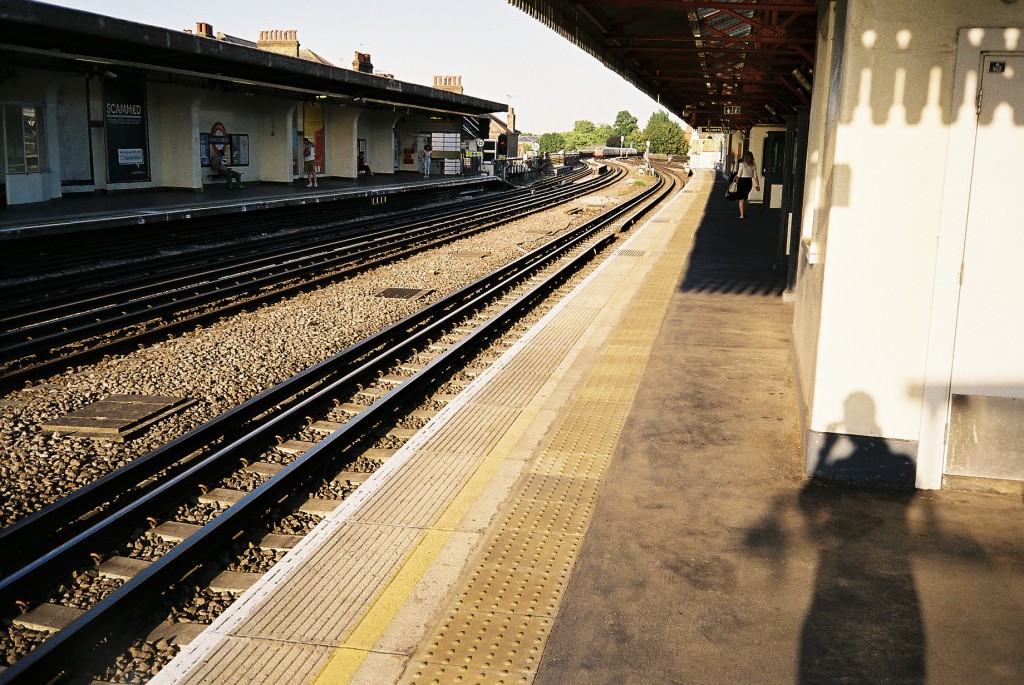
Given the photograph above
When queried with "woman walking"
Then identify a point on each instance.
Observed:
(746, 176)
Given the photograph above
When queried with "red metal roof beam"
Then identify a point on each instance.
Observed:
(809, 7)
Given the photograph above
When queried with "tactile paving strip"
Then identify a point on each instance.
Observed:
(496, 628)
(343, 596)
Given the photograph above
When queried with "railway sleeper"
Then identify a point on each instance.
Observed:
(373, 393)
(296, 447)
(222, 497)
(122, 568)
(179, 634)
(49, 618)
(355, 478)
(325, 427)
(318, 506)
(234, 581)
(175, 531)
(263, 468)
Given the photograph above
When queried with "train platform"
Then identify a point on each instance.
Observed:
(621, 500)
(89, 211)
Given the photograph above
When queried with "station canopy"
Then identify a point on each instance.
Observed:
(37, 35)
(728, 63)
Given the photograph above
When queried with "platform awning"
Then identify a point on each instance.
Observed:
(729, 63)
(46, 36)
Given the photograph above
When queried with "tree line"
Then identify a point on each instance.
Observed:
(666, 136)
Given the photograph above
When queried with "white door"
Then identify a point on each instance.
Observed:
(986, 429)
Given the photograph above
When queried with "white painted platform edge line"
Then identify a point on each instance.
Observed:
(197, 651)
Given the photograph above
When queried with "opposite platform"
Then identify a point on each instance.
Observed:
(92, 211)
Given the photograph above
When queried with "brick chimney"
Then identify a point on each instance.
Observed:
(453, 84)
(204, 29)
(362, 63)
(280, 42)
(511, 120)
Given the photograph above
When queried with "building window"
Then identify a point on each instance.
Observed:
(24, 142)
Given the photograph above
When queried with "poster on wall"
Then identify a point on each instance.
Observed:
(124, 120)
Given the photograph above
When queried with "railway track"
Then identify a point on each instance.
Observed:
(124, 313)
(351, 399)
(81, 252)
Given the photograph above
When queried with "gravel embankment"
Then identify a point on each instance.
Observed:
(227, 363)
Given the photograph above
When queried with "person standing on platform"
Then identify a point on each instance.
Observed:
(426, 161)
(309, 162)
(746, 176)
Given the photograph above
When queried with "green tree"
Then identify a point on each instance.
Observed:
(602, 133)
(625, 124)
(666, 136)
(582, 134)
(551, 142)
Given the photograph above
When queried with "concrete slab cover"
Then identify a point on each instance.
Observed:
(118, 416)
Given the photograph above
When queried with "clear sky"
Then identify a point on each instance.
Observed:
(502, 54)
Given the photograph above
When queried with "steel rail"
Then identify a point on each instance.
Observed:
(11, 378)
(19, 300)
(134, 290)
(56, 521)
(99, 623)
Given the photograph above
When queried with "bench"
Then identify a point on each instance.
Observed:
(216, 175)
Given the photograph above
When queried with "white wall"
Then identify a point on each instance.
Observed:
(342, 132)
(378, 128)
(266, 121)
(73, 132)
(876, 162)
(173, 151)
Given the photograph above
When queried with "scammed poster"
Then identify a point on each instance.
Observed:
(124, 119)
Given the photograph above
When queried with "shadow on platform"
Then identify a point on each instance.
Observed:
(732, 255)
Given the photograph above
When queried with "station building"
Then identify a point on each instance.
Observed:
(92, 103)
(900, 231)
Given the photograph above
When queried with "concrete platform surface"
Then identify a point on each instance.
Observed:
(88, 211)
(710, 558)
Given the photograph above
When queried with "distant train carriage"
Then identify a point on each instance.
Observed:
(608, 151)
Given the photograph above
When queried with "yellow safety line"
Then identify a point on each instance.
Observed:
(349, 655)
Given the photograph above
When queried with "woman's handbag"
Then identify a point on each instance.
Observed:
(734, 186)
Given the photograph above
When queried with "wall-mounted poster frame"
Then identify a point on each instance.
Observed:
(234, 147)
(126, 128)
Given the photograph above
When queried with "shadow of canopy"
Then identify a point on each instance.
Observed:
(733, 257)
(903, 77)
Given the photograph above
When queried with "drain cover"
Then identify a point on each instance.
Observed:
(404, 293)
(118, 416)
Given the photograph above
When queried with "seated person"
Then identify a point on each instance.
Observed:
(361, 165)
(234, 178)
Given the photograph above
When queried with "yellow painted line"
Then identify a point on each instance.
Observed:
(351, 653)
